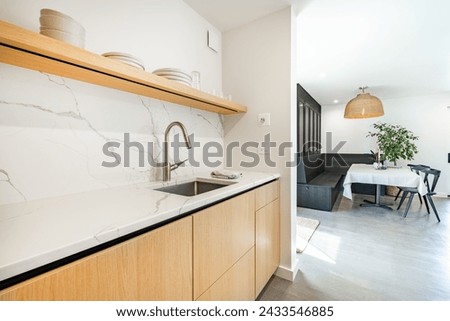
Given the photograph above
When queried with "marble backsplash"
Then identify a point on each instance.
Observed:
(53, 129)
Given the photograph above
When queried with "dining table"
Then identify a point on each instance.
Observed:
(389, 176)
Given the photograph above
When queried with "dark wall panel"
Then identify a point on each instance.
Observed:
(308, 123)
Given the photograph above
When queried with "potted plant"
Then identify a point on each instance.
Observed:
(395, 142)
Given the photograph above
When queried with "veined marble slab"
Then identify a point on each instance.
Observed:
(53, 130)
(39, 232)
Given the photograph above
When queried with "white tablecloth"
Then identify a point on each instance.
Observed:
(363, 173)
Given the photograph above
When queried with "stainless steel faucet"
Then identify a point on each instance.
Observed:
(167, 167)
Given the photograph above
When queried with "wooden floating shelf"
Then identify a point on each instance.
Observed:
(31, 50)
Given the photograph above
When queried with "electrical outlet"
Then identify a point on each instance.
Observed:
(263, 119)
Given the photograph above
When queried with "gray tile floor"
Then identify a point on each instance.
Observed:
(362, 253)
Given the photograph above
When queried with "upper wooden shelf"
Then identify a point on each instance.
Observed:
(27, 49)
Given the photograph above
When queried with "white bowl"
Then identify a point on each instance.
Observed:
(62, 24)
(75, 40)
(51, 12)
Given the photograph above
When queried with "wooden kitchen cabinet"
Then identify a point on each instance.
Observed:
(223, 234)
(267, 243)
(236, 284)
(267, 229)
(154, 266)
(237, 245)
(225, 252)
(266, 194)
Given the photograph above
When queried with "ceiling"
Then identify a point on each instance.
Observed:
(397, 48)
(229, 14)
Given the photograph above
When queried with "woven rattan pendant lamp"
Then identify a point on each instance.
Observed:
(364, 105)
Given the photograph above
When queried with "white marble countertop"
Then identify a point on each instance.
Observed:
(39, 232)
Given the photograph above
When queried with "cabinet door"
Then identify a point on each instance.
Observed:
(266, 194)
(223, 233)
(154, 266)
(237, 284)
(267, 243)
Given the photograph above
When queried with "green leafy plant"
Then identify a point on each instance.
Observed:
(395, 141)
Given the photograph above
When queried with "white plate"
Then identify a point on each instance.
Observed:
(168, 70)
(179, 79)
(127, 60)
(174, 76)
(139, 62)
(184, 82)
(123, 55)
(130, 63)
(172, 71)
(133, 64)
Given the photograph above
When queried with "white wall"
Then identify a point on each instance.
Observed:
(52, 129)
(257, 70)
(426, 116)
(163, 33)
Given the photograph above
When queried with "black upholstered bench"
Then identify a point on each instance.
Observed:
(316, 187)
(320, 178)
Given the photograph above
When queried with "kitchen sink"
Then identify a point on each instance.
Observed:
(193, 188)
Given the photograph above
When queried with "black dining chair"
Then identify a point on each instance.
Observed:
(427, 172)
(414, 168)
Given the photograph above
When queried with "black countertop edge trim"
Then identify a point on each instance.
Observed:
(77, 256)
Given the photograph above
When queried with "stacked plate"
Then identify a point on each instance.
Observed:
(126, 59)
(175, 75)
(59, 26)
